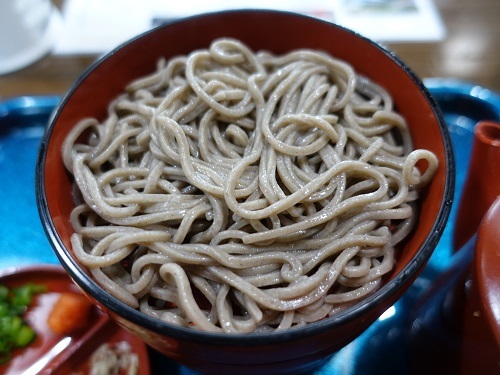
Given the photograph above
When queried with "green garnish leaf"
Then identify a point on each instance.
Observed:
(14, 331)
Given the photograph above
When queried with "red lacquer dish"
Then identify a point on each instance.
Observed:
(62, 354)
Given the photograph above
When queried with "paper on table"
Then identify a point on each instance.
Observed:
(98, 26)
(391, 20)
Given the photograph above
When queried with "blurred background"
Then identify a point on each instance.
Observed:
(436, 38)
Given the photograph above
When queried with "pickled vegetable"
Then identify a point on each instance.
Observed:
(69, 313)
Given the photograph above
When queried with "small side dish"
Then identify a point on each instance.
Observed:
(53, 328)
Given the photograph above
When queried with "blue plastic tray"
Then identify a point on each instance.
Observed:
(379, 350)
(22, 123)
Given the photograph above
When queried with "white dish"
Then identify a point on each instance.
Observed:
(27, 34)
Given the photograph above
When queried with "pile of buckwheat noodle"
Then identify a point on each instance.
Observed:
(239, 191)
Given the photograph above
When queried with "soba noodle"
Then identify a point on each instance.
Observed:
(233, 191)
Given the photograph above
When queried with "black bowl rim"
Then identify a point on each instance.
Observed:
(257, 338)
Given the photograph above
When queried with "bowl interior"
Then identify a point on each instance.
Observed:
(260, 30)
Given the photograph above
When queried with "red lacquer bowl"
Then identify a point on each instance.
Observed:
(289, 351)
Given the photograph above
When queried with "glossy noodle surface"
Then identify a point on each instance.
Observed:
(239, 191)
